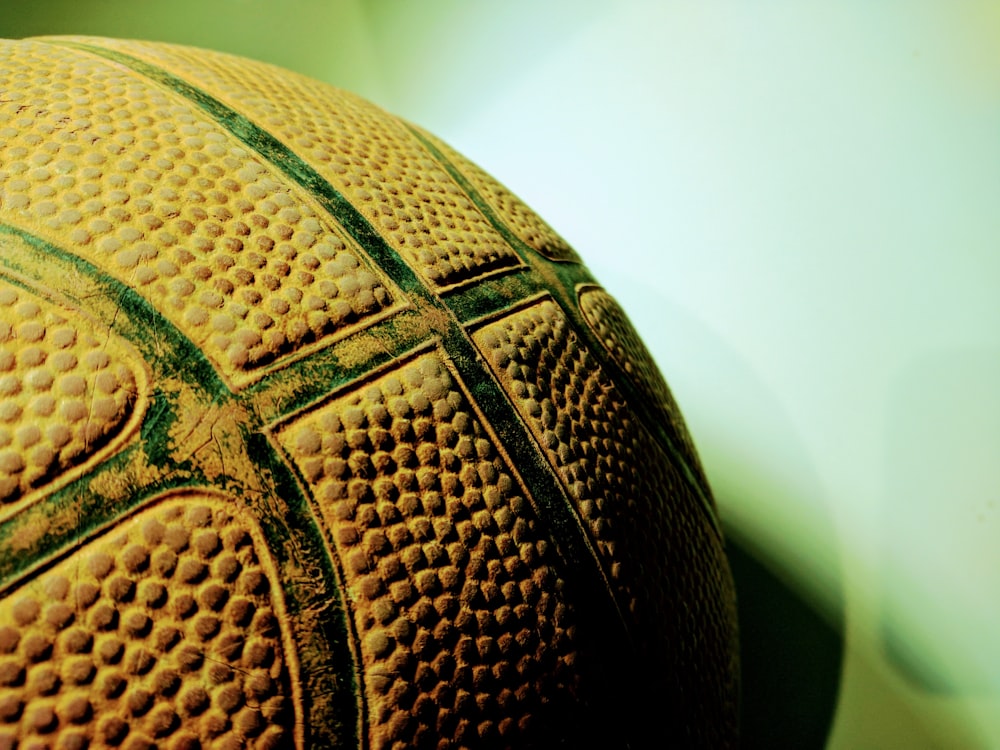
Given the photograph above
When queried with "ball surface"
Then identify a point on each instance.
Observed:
(313, 435)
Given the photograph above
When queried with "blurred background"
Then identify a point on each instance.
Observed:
(797, 204)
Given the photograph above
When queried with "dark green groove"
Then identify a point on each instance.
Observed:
(330, 666)
(37, 551)
(491, 296)
(307, 379)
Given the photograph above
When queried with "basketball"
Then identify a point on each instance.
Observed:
(313, 435)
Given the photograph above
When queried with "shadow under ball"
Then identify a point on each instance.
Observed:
(313, 435)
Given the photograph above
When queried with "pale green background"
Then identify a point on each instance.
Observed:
(799, 205)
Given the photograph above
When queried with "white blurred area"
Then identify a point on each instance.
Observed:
(799, 206)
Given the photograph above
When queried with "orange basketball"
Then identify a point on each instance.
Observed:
(313, 435)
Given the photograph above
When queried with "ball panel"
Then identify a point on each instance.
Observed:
(454, 590)
(67, 396)
(615, 332)
(576, 417)
(139, 182)
(368, 156)
(165, 629)
(524, 223)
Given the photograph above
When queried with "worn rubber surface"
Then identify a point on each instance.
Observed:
(313, 435)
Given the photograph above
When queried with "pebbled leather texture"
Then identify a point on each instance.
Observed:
(314, 435)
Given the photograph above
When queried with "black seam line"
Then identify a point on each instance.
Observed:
(527, 254)
(457, 342)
